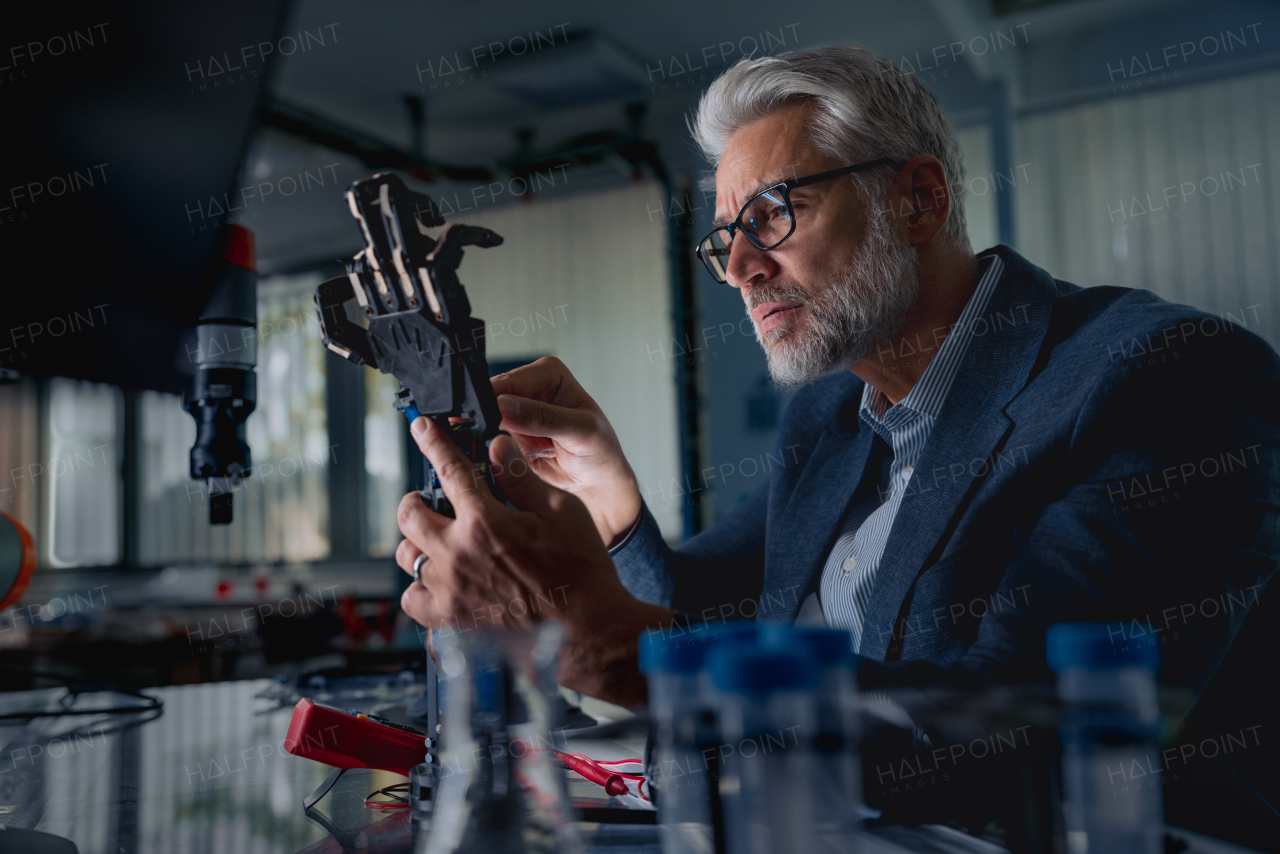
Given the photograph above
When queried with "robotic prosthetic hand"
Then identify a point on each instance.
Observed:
(417, 326)
(420, 328)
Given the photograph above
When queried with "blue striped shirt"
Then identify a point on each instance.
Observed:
(849, 575)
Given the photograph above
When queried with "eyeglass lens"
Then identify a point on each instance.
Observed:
(766, 220)
(714, 251)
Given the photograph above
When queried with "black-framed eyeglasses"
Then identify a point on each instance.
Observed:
(768, 219)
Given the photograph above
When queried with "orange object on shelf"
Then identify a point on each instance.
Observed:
(17, 559)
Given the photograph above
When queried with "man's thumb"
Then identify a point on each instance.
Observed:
(520, 484)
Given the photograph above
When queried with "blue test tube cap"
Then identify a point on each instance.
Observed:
(673, 650)
(684, 650)
(745, 668)
(1101, 646)
(828, 647)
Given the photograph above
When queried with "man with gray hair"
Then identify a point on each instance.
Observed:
(981, 450)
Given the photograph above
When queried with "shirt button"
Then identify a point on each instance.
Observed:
(849, 564)
(906, 471)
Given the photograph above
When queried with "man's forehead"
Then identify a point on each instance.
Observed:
(757, 156)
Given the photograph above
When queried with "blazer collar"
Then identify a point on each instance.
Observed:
(971, 427)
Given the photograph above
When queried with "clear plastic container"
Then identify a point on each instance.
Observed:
(683, 772)
(1111, 764)
(765, 702)
(837, 788)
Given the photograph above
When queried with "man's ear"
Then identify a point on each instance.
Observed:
(922, 199)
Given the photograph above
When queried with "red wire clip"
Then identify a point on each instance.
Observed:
(614, 783)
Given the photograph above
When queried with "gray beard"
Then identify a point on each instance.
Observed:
(855, 312)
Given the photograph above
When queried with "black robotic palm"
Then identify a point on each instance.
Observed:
(420, 328)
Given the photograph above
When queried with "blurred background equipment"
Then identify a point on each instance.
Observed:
(139, 207)
(224, 388)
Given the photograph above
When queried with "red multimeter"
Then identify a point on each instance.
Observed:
(351, 739)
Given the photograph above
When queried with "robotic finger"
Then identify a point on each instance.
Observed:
(420, 329)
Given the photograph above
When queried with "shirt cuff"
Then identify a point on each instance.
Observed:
(635, 526)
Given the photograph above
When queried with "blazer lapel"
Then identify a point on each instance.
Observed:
(964, 436)
(971, 426)
(798, 541)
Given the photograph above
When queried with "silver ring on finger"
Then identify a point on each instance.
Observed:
(417, 567)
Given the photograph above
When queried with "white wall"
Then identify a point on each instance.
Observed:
(980, 186)
(1097, 213)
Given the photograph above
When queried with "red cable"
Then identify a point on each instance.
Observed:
(386, 791)
(614, 783)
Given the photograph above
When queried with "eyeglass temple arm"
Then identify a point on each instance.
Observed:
(846, 170)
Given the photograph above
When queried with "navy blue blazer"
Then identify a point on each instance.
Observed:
(1103, 455)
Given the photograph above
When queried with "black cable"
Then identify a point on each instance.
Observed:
(75, 687)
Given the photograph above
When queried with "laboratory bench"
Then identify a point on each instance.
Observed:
(208, 774)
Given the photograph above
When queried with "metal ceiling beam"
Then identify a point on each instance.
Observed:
(369, 150)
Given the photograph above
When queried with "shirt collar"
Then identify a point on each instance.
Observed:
(930, 391)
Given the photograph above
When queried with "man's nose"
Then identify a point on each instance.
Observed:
(748, 265)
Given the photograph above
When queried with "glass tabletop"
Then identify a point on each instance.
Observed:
(207, 774)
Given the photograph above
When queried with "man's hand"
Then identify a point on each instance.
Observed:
(493, 566)
(569, 443)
